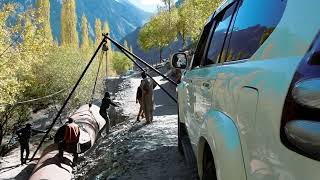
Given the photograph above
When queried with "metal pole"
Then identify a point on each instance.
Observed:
(139, 59)
(125, 53)
(67, 100)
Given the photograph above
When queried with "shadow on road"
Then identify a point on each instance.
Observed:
(26, 172)
(164, 105)
(163, 163)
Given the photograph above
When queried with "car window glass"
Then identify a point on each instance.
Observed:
(198, 55)
(219, 34)
(255, 21)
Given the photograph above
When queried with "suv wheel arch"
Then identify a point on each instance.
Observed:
(207, 164)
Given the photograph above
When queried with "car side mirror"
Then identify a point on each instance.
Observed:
(179, 60)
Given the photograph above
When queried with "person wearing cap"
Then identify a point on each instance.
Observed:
(24, 135)
(70, 140)
(105, 104)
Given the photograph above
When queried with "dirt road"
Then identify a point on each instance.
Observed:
(135, 150)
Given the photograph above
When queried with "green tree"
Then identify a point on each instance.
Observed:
(69, 33)
(121, 63)
(194, 14)
(157, 34)
(17, 75)
(85, 34)
(183, 28)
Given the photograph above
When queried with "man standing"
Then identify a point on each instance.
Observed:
(24, 136)
(70, 140)
(147, 86)
(105, 104)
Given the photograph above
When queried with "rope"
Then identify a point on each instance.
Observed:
(95, 82)
(36, 99)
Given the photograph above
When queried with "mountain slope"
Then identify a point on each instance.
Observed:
(122, 16)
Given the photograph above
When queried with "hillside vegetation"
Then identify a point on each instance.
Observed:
(34, 65)
(183, 21)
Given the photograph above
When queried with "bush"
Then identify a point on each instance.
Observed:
(121, 63)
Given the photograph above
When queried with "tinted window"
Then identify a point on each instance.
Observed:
(217, 40)
(198, 55)
(255, 21)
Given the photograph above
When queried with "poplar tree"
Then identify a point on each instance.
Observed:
(131, 50)
(109, 69)
(126, 45)
(43, 9)
(98, 31)
(69, 34)
(85, 34)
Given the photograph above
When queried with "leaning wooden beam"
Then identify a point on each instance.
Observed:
(50, 166)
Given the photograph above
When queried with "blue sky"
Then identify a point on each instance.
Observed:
(147, 5)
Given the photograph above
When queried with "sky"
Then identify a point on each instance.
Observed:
(147, 5)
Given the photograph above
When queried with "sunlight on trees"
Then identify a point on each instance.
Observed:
(170, 22)
(35, 65)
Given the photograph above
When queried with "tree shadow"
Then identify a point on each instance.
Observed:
(164, 105)
(56, 161)
(137, 126)
(162, 163)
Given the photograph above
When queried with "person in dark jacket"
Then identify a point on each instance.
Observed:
(106, 102)
(24, 136)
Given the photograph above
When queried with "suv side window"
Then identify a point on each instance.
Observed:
(223, 20)
(255, 21)
(198, 55)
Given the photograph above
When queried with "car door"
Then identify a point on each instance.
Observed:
(203, 77)
(187, 78)
(243, 81)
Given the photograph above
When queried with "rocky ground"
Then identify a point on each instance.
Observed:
(132, 150)
(135, 150)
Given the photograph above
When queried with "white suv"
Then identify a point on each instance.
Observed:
(249, 102)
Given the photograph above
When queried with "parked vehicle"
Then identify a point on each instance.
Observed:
(249, 102)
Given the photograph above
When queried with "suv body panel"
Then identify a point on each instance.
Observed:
(260, 82)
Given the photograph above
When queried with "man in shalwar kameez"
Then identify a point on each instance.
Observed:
(147, 85)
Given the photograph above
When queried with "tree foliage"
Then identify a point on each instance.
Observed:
(35, 66)
(85, 33)
(158, 33)
(98, 31)
(43, 9)
(170, 22)
(193, 14)
(109, 55)
(69, 33)
(121, 63)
